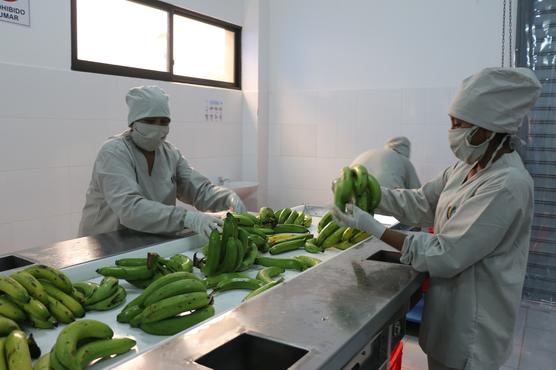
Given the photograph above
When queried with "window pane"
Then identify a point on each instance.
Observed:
(123, 33)
(202, 50)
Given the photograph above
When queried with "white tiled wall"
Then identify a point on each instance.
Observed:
(314, 134)
(53, 123)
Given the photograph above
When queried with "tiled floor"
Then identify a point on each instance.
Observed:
(534, 342)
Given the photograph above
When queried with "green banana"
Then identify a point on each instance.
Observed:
(259, 242)
(265, 230)
(300, 220)
(267, 216)
(213, 281)
(263, 288)
(348, 233)
(54, 362)
(213, 255)
(230, 256)
(266, 274)
(291, 218)
(287, 246)
(359, 237)
(363, 200)
(307, 261)
(229, 229)
(311, 247)
(54, 276)
(280, 238)
(243, 220)
(60, 312)
(185, 263)
(177, 324)
(86, 287)
(172, 306)
(238, 283)
(129, 313)
(102, 348)
(69, 337)
(17, 351)
(11, 310)
(376, 192)
(255, 231)
(67, 300)
(326, 232)
(14, 289)
(286, 263)
(334, 238)
(42, 363)
(243, 237)
(32, 285)
(129, 262)
(287, 228)
(343, 245)
(35, 308)
(308, 221)
(361, 179)
(3, 362)
(51, 323)
(7, 326)
(107, 287)
(141, 283)
(110, 302)
(284, 215)
(78, 296)
(175, 288)
(326, 218)
(126, 272)
(249, 258)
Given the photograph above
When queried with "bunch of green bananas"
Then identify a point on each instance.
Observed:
(160, 309)
(290, 216)
(81, 343)
(16, 352)
(41, 296)
(333, 235)
(233, 250)
(106, 296)
(141, 272)
(358, 186)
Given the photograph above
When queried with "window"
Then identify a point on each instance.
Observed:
(154, 40)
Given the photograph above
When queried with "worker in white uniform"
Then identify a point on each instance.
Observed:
(138, 175)
(390, 165)
(481, 209)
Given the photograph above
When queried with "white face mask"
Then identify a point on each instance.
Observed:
(462, 148)
(148, 136)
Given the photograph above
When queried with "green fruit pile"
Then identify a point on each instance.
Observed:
(333, 235)
(357, 186)
(101, 297)
(169, 305)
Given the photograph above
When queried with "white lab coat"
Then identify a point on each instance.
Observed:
(476, 260)
(391, 169)
(122, 194)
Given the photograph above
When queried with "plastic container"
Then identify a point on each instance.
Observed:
(396, 357)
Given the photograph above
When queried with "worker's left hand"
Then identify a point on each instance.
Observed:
(235, 204)
(358, 219)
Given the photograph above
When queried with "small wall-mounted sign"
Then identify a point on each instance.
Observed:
(214, 110)
(15, 11)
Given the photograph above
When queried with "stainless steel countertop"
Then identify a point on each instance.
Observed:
(75, 251)
(331, 310)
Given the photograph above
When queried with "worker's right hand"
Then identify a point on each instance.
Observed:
(358, 219)
(202, 223)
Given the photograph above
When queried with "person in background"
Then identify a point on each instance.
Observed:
(138, 175)
(482, 209)
(391, 165)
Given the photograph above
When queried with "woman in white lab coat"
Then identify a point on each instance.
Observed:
(481, 209)
(138, 176)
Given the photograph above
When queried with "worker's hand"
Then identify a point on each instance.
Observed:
(202, 223)
(235, 204)
(358, 219)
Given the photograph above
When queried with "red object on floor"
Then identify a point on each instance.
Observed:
(396, 357)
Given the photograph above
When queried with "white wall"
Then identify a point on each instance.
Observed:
(53, 121)
(346, 76)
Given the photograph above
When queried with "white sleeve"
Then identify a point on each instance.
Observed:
(475, 230)
(118, 182)
(195, 189)
(413, 207)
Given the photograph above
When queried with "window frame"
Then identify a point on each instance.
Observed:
(118, 70)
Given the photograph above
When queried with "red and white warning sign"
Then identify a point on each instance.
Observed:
(15, 11)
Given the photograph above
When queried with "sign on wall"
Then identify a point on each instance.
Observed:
(15, 11)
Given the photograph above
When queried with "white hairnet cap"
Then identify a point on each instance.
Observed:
(146, 101)
(400, 145)
(496, 99)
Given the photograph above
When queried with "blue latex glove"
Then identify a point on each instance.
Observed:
(202, 223)
(358, 219)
